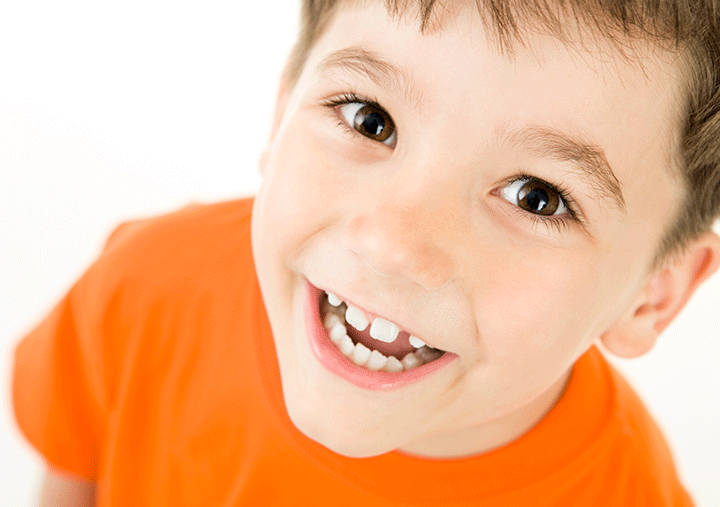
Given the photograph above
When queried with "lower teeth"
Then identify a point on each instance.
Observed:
(372, 359)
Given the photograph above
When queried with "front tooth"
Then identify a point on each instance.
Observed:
(384, 330)
(376, 361)
(333, 299)
(360, 355)
(411, 361)
(346, 346)
(393, 365)
(356, 318)
(416, 342)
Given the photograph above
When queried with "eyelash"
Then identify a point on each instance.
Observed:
(348, 98)
(561, 222)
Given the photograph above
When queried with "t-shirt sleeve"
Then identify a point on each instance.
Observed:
(90, 375)
(60, 388)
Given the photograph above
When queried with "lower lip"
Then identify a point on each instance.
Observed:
(333, 360)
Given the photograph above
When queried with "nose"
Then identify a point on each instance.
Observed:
(403, 240)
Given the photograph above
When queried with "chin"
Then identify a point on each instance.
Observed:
(340, 439)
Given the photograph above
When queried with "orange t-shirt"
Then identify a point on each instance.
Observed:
(156, 377)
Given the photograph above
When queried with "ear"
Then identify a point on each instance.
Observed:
(663, 296)
(280, 104)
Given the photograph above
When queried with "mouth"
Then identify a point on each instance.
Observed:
(369, 351)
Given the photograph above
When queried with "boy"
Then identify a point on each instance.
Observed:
(459, 200)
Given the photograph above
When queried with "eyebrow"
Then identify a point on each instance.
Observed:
(370, 65)
(588, 159)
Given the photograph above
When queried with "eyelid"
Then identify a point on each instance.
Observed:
(573, 211)
(349, 98)
(508, 193)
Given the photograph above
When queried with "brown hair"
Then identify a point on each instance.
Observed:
(691, 27)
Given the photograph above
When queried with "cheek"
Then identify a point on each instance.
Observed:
(542, 304)
(294, 192)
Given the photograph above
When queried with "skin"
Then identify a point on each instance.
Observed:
(61, 489)
(421, 234)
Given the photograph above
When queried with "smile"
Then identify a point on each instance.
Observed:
(370, 352)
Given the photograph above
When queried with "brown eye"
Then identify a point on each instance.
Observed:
(535, 196)
(370, 121)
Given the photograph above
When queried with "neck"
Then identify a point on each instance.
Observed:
(493, 434)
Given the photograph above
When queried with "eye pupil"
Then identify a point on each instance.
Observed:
(373, 123)
(538, 198)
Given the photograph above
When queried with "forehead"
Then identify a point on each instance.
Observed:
(627, 32)
(508, 21)
(521, 27)
(458, 42)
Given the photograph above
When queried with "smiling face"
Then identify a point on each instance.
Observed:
(504, 211)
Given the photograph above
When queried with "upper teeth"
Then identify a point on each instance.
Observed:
(384, 330)
(380, 329)
(333, 299)
(356, 318)
(416, 342)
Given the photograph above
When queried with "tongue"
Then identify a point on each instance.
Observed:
(399, 348)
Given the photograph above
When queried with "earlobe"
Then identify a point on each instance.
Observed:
(663, 296)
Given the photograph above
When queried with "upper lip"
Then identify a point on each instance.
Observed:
(373, 310)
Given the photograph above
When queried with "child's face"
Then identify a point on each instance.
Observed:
(442, 227)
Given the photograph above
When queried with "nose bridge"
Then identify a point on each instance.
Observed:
(405, 231)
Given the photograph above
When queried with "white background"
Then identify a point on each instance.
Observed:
(110, 112)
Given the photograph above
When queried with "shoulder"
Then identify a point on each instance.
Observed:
(169, 294)
(651, 476)
(163, 290)
(157, 270)
(619, 457)
(194, 228)
(194, 244)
